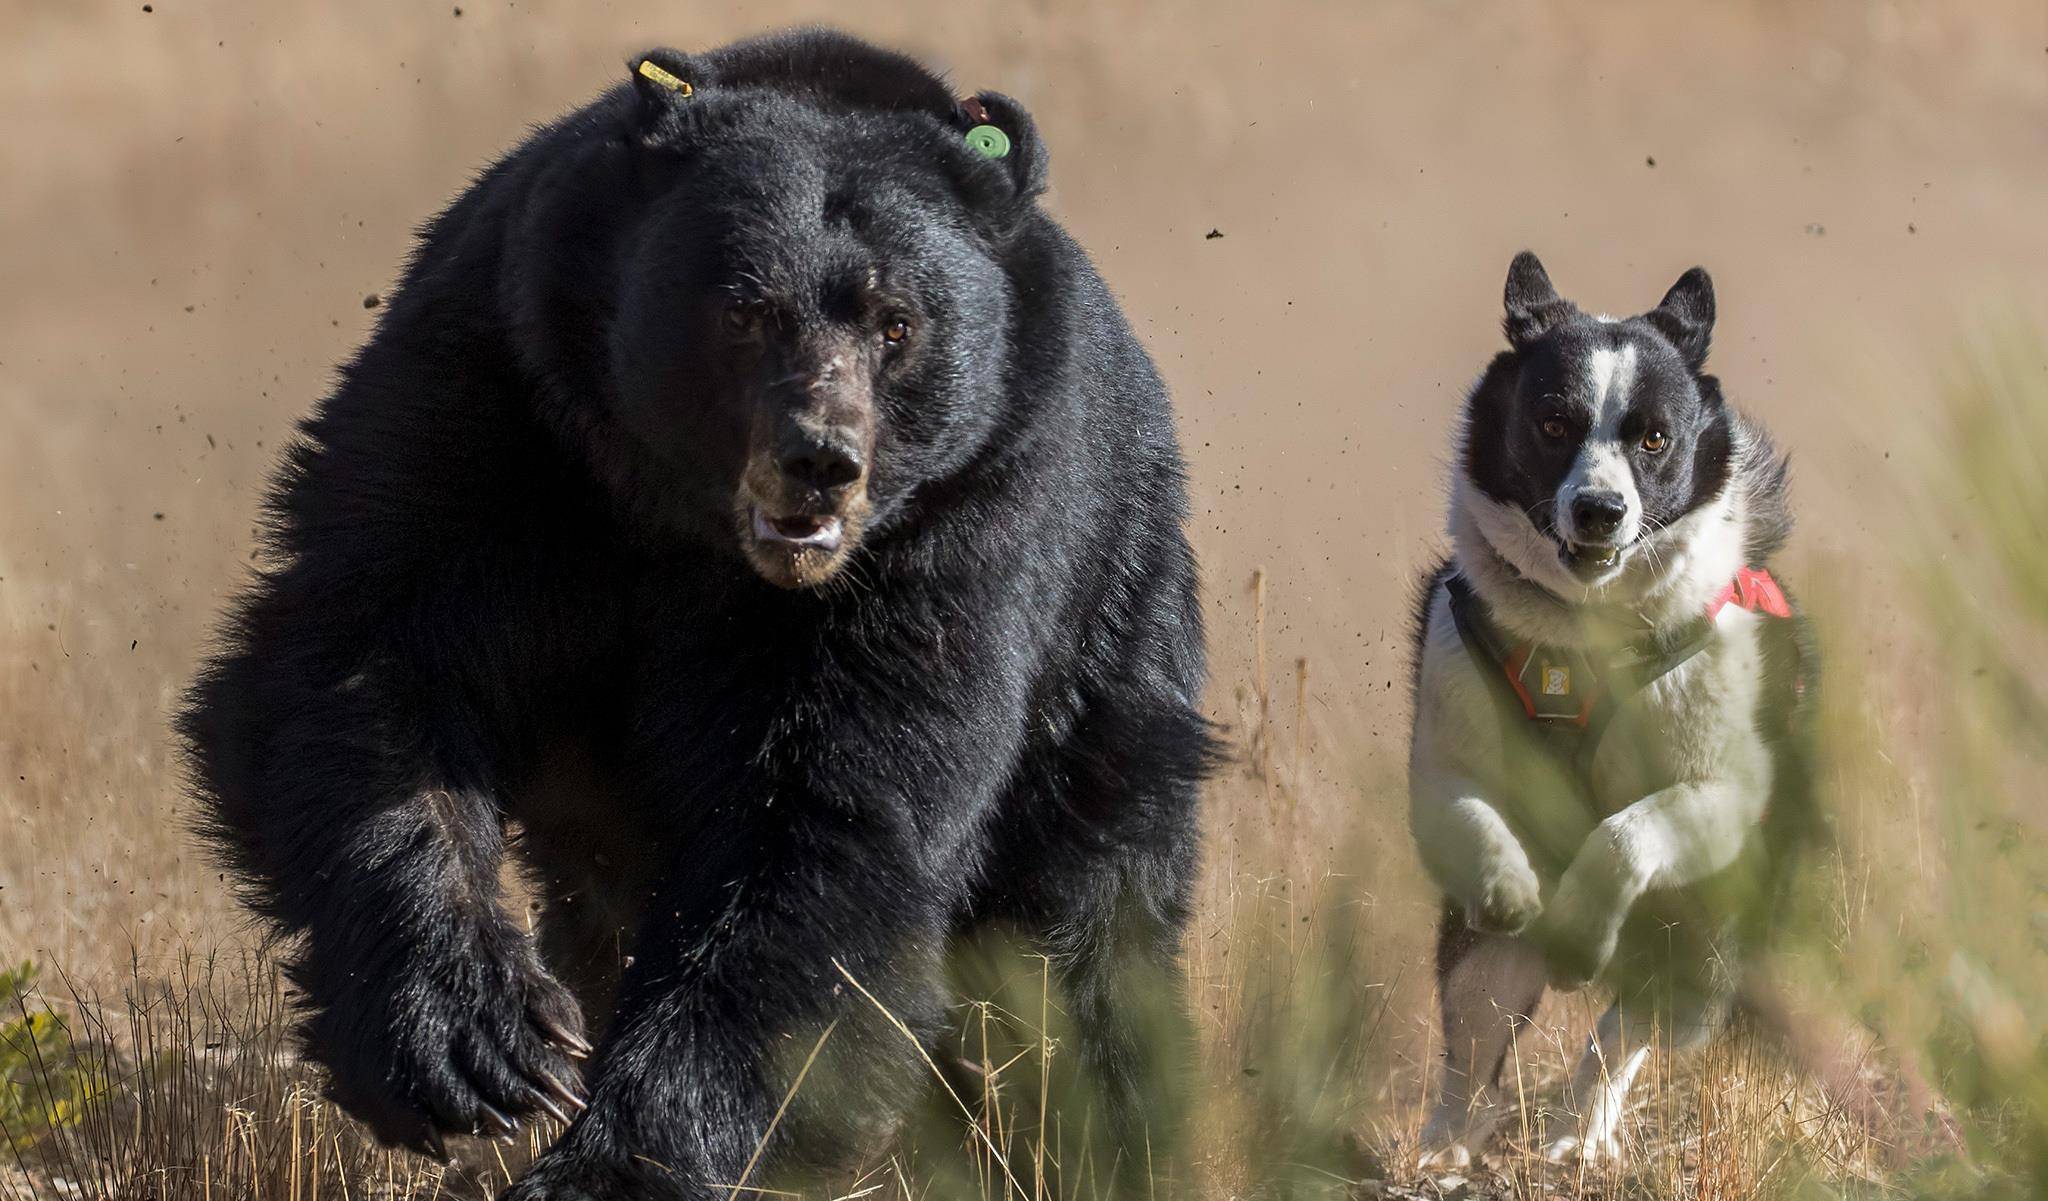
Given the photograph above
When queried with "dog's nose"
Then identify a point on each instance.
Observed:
(823, 461)
(1598, 514)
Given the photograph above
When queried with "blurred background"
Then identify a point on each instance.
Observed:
(1307, 209)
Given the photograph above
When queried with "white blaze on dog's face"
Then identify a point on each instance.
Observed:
(1597, 505)
(1591, 436)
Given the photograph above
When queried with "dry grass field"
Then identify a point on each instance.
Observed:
(197, 199)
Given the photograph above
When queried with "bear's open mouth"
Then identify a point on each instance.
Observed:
(820, 531)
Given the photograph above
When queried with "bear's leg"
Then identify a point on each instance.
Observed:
(795, 954)
(1490, 985)
(356, 813)
(584, 930)
(1125, 993)
(1107, 899)
(590, 865)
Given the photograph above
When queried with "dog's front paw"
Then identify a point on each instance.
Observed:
(1510, 897)
(1577, 959)
(465, 1038)
(1578, 937)
(1590, 1148)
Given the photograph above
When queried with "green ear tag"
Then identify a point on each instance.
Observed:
(989, 141)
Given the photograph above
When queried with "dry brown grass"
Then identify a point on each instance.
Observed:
(1307, 1084)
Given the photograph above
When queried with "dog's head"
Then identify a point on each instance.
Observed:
(1593, 437)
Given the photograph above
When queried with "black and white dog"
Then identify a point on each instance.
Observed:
(1607, 683)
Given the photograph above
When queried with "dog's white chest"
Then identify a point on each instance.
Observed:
(1682, 723)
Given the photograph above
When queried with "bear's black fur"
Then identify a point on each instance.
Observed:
(755, 497)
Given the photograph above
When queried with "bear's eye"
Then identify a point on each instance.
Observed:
(745, 316)
(1554, 426)
(897, 332)
(1655, 441)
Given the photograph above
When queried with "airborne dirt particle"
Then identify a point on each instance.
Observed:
(1212, 235)
(372, 301)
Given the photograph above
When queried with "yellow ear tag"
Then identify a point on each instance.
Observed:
(652, 71)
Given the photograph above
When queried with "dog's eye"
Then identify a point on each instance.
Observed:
(1554, 427)
(1655, 441)
(897, 332)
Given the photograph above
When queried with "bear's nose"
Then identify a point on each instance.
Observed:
(825, 461)
(1598, 514)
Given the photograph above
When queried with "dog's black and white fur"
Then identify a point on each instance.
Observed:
(1604, 493)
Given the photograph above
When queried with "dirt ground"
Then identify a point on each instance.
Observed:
(1307, 208)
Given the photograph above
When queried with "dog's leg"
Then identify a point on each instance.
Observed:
(1672, 838)
(1490, 985)
(1599, 1090)
(1472, 853)
(1616, 1052)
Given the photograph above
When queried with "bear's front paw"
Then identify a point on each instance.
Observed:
(466, 1037)
(1509, 899)
(564, 1175)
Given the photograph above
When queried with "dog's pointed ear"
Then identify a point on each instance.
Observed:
(1533, 305)
(664, 83)
(1686, 316)
(1005, 162)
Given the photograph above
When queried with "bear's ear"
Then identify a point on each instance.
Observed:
(1010, 162)
(662, 89)
(1533, 305)
(1686, 316)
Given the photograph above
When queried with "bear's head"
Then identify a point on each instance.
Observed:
(805, 316)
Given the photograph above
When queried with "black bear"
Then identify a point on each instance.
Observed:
(754, 512)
